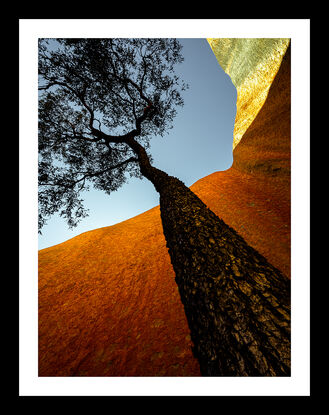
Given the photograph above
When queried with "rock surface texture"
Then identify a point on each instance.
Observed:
(108, 301)
(252, 64)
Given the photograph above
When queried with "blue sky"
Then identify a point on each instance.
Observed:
(199, 144)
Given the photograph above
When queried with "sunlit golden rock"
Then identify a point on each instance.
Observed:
(252, 65)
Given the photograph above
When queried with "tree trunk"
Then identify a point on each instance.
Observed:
(237, 305)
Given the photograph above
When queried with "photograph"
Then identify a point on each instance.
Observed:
(165, 247)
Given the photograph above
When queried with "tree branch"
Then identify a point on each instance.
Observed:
(88, 174)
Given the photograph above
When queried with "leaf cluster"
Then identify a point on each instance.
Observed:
(94, 94)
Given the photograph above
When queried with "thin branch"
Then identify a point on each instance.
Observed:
(144, 73)
(88, 174)
(40, 88)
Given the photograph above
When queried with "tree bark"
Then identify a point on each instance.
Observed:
(237, 304)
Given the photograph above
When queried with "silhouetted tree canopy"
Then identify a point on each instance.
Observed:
(96, 95)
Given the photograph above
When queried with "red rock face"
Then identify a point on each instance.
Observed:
(108, 302)
(109, 305)
(262, 158)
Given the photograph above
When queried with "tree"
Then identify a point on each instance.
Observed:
(101, 101)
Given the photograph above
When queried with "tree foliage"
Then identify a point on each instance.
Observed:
(96, 96)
